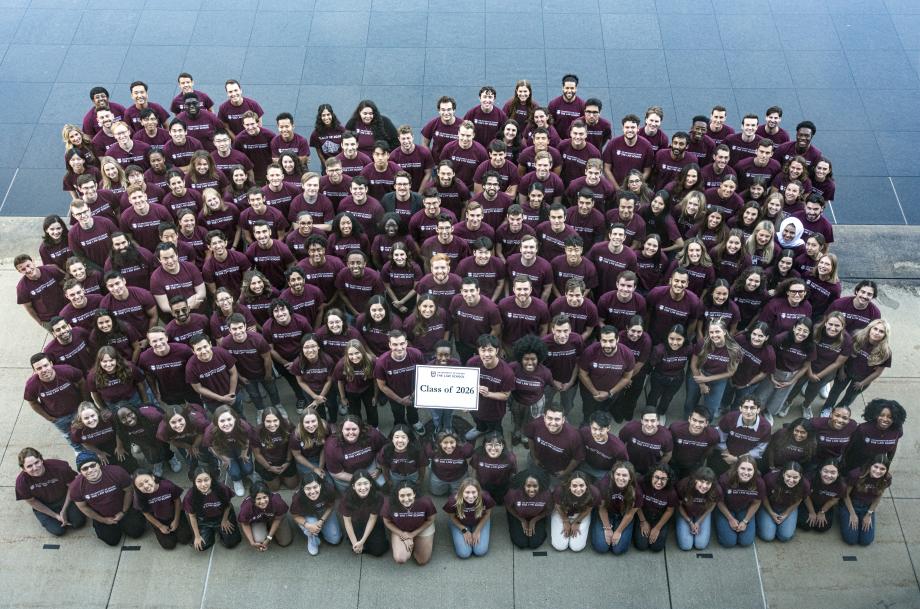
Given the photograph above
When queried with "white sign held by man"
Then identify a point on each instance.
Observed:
(450, 387)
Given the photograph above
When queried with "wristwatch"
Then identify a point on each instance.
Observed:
(268, 538)
(465, 530)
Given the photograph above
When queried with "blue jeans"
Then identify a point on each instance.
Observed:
(331, 531)
(63, 425)
(465, 550)
(768, 530)
(439, 487)
(712, 400)
(686, 540)
(252, 389)
(135, 400)
(729, 538)
(442, 418)
(597, 535)
(74, 516)
(855, 536)
(239, 468)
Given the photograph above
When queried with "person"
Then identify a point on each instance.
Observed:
(353, 448)
(621, 499)
(574, 500)
(272, 451)
(360, 511)
(827, 487)
(313, 369)
(54, 249)
(160, 502)
(253, 361)
(833, 346)
(668, 363)
(313, 510)
(54, 392)
(375, 322)
(496, 383)
(137, 426)
(394, 373)
(741, 432)
(866, 486)
(647, 442)
(410, 519)
(795, 442)
(871, 355)
(263, 518)
(448, 462)
(698, 495)
(470, 511)
(39, 290)
(354, 377)
(531, 378)
(556, 446)
(427, 325)
(858, 309)
(743, 493)
(659, 501)
(183, 427)
(758, 361)
(601, 448)
(604, 370)
(442, 419)
(231, 440)
(308, 441)
(402, 457)
(634, 338)
(213, 375)
(714, 362)
(694, 442)
(210, 513)
(494, 465)
(795, 350)
(105, 495)
(42, 484)
(879, 434)
(95, 430)
(785, 490)
(369, 125)
(528, 505)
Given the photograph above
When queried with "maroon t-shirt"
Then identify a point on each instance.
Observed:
(645, 451)
(257, 148)
(488, 274)
(822, 493)
(574, 161)
(741, 440)
(791, 357)
(352, 457)
(442, 293)
(416, 163)
(182, 283)
(168, 370)
(283, 198)
(780, 495)
(602, 456)
(439, 134)
(196, 324)
(606, 371)
(465, 160)
(540, 272)
(562, 359)
(529, 386)
(519, 321)
(456, 250)
(106, 495)
(250, 513)
(430, 334)
(452, 467)
(529, 507)
(564, 112)
(739, 497)
(317, 373)
(665, 311)
(115, 390)
(614, 497)
(499, 379)
(272, 261)
(655, 502)
(471, 322)
(616, 313)
(359, 289)
(133, 309)
(694, 503)
(753, 361)
(590, 227)
(160, 503)
(411, 518)
(403, 463)
(399, 376)
(401, 278)
(144, 229)
(832, 443)
(609, 265)
(691, 450)
(45, 293)
(76, 353)
(494, 473)
(285, 340)
(93, 244)
(248, 354)
(623, 158)
(50, 487)
(667, 167)
(322, 276)
(212, 504)
(58, 397)
(555, 450)
(214, 374)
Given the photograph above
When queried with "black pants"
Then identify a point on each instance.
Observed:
(132, 525)
(641, 541)
(464, 352)
(209, 529)
(75, 517)
(365, 399)
(803, 521)
(516, 532)
(625, 404)
(497, 492)
(589, 405)
(377, 543)
(661, 391)
(181, 536)
(405, 415)
(843, 384)
(487, 426)
(284, 373)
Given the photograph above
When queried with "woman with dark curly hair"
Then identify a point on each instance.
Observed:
(879, 435)
(531, 378)
(369, 126)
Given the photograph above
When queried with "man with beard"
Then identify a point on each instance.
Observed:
(69, 346)
(201, 125)
(568, 107)
(134, 263)
(185, 324)
(669, 161)
(627, 152)
(604, 370)
(672, 304)
(770, 128)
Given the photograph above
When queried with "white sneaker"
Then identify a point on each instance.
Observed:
(419, 429)
(825, 412)
(807, 413)
(313, 545)
(784, 410)
(663, 420)
(238, 488)
(175, 464)
(825, 390)
(802, 390)
(258, 417)
(157, 470)
(769, 418)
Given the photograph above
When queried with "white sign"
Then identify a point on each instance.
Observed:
(450, 387)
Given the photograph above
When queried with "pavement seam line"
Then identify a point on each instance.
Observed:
(9, 188)
(763, 593)
(910, 557)
(898, 199)
(207, 576)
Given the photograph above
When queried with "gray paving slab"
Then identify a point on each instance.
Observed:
(715, 578)
(134, 586)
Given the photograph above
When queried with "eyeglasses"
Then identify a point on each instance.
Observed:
(796, 291)
(88, 466)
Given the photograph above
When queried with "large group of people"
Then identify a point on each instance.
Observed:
(588, 276)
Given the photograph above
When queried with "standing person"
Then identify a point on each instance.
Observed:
(528, 504)
(410, 519)
(742, 432)
(778, 516)
(42, 484)
(354, 377)
(556, 447)
(743, 493)
(574, 500)
(231, 440)
(496, 380)
(647, 443)
(54, 392)
(568, 107)
(360, 511)
(621, 498)
(353, 448)
(698, 496)
(212, 374)
(210, 513)
(659, 501)
(604, 370)
(263, 518)
(833, 346)
(470, 512)
(531, 378)
(160, 502)
(253, 362)
(713, 363)
(308, 441)
(795, 350)
(313, 369)
(758, 361)
(272, 451)
(694, 442)
(563, 350)
(448, 462)
(601, 448)
(865, 488)
(395, 375)
(871, 355)
(402, 458)
(442, 419)
(313, 510)
(668, 364)
(104, 494)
